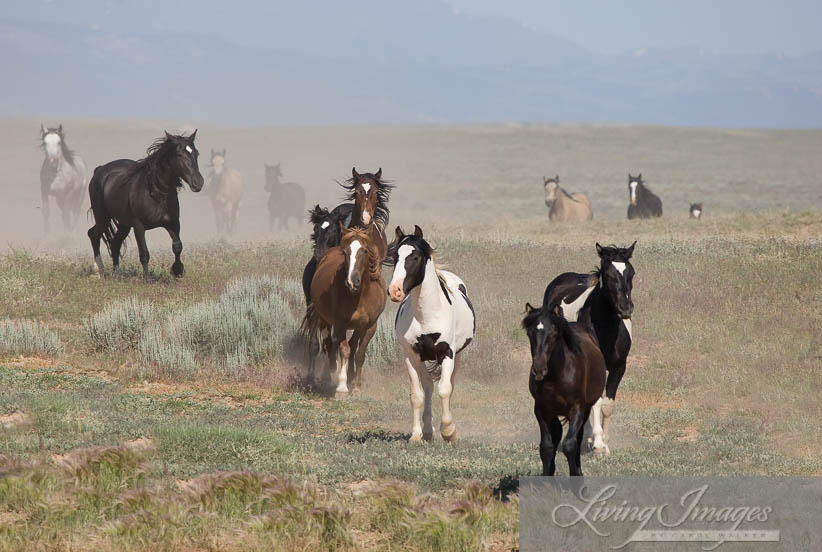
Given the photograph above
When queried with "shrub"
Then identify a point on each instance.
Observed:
(28, 337)
(120, 324)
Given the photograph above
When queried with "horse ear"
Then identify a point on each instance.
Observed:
(354, 173)
(639, 176)
(557, 179)
(599, 249)
(398, 233)
(193, 136)
(223, 152)
(558, 310)
(630, 250)
(417, 231)
(629, 177)
(544, 180)
(378, 174)
(168, 136)
(343, 229)
(528, 308)
(60, 128)
(42, 130)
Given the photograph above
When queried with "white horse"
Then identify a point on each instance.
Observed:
(62, 175)
(435, 322)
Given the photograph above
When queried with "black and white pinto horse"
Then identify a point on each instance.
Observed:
(644, 203)
(435, 322)
(602, 301)
(62, 176)
(142, 194)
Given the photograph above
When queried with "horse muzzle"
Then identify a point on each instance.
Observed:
(366, 217)
(396, 293)
(353, 284)
(196, 184)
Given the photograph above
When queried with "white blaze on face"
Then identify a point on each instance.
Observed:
(540, 326)
(633, 191)
(696, 213)
(367, 187)
(397, 280)
(189, 150)
(52, 141)
(325, 225)
(218, 162)
(354, 247)
(619, 266)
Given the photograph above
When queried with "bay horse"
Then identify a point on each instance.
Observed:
(370, 196)
(62, 175)
(644, 203)
(434, 324)
(564, 207)
(225, 190)
(286, 200)
(142, 194)
(567, 378)
(601, 301)
(325, 235)
(695, 212)
(347, 294)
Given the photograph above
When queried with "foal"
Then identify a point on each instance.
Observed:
(567, 378)
(434, 323)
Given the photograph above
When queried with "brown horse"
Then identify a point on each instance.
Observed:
(370, 196)
(286, 199)
(567, 379)
(564, 206)
(347, 294)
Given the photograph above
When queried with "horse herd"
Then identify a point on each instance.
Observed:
(580, 336)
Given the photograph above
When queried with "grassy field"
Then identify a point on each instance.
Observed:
(165, 415)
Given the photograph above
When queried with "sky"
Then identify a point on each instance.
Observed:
(718, 26)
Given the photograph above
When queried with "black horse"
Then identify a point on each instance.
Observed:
(142, 194)
(567, 379)
(326, 234)
(601, 301)
(644, 203)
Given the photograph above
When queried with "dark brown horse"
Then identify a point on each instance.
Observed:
(286, 199)
(370, 196)
(567, 378)
(347, 294)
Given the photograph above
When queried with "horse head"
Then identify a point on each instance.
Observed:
(370, 193)
(272, 176)
(409, 253)
(695, 210)
(182, 158)
(326, 232)
(53, 142)
(218, 161)
(616, 277)
(361, 260)
(550, 185)
(634, 182)
(544, 326)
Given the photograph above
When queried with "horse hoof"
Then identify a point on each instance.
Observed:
(415, 439)
(356, 392)
(340, 395)
(450, 438)
(602, 451)
(178, 269)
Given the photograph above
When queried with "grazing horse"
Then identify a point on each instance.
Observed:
(62, 175)
(602, 301)
(225, 189)
(567, 378)
(644, 203)
(370, 196)
(326, 234)
(347, 294)
(142, 194)
(435, 322)
(564, 206)
(286, 199)
(695, 211)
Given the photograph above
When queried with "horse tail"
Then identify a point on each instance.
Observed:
(311, 324)
(95, 190)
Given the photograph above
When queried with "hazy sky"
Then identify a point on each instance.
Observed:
(721, 26)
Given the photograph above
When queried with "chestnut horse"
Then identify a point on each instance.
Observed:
(370, 196)
(347, 294)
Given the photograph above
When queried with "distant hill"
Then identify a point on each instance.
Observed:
(326, 62)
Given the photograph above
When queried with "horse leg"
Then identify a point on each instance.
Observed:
(116, 243)
(547, 442)
(44, 207)
(359, 356)
(580, 435)
(448, 429)
(173, 228)
(95, 234)
(140, 236)
(418, 402)
(607, 402)
(342, 368)
(313, 353)
(570, 445)
(597, 442)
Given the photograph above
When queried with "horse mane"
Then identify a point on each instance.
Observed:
(570, 339)
(315, 217)
(383, 193)
(149, 164)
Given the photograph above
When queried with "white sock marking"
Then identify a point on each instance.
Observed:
(355, 246)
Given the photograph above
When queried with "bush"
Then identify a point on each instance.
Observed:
(27, 337)
(120, 325)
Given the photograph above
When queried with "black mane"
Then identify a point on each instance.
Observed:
(152, 163)
(383, 193)
(568, 336)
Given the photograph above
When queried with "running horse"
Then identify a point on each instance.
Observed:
(62, 176)
(601, 301)
(142, 194)
(347, 295)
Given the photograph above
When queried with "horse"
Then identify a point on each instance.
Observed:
(370, 196)
(644, 203)
(326, 234)
(695, 212)
(564, 207)
(567, 378)
(602, 302)
(286, 199)
(347, 294)
(225, 189)
(435, 323)
(142, 194)
(62, 175)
